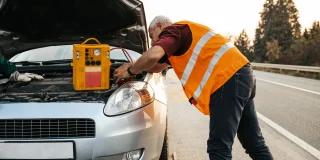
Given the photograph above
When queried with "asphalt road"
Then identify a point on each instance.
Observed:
(295, 110)
(303, 83)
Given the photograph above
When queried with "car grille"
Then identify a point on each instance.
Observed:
(46, 128)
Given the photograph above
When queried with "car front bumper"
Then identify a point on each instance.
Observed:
(114, 136)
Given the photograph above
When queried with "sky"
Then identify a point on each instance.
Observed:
(227, 17)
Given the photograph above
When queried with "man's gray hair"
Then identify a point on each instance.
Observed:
(161, 20)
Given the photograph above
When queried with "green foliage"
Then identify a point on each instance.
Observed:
(307, 48)
(259, 48)
(243, 44)
(273, 51)
(279, 39)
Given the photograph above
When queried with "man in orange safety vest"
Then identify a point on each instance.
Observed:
(216, 78)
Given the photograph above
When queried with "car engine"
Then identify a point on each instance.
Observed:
(56, 87)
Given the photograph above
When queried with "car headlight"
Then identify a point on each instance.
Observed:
(129, 97)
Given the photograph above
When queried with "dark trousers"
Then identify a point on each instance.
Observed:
(232, 112)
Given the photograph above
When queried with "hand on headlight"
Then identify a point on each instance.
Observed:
(26, 77)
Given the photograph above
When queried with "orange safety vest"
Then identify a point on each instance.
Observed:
(210, 61)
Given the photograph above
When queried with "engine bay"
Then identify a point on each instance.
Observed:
(55, 87)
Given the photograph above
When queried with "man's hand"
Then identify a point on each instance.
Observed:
(147, 60)
(121, 73)
(26, 77)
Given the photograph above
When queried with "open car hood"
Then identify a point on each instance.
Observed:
(29, 24)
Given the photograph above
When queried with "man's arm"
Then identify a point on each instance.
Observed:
(157, 68)
(148, 60)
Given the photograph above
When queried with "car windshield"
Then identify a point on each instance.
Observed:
(63, 52)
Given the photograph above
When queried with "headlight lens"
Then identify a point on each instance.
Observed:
(129, 97)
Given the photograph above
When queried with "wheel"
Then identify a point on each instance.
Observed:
(165, 147)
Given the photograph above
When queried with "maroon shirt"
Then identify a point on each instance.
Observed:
(175, 40)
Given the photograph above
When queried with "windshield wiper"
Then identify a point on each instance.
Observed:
(38, 63)
(27, 63)
(62, 61)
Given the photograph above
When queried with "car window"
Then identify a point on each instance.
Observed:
(64, 52)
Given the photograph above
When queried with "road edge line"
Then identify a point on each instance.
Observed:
(290, 136)
(301, 89)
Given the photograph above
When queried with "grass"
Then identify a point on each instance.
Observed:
(318, 76)
(290, 72)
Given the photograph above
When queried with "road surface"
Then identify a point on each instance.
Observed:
(295, 110)
(290, 102)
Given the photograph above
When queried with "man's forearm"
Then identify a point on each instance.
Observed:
(149, 59)
(143, 64)
(157, 68)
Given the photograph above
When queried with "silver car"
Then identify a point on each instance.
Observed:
(49, 119)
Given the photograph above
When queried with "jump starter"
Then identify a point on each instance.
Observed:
(91, 66)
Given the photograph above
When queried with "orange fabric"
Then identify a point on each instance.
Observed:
(221, 74)
(183, 59)
(228, 64)
(203, 61)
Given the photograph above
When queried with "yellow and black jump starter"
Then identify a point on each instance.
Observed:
(91, 66)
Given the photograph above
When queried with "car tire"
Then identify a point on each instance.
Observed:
(165, 147)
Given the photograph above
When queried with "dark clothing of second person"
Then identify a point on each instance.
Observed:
(6, 68)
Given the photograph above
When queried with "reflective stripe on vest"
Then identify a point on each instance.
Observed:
(210, 61)
(213, 62)
(192, 61)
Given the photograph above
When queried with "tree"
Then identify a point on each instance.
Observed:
(293, 19)
(279, 21)
(267, 16)
(263, 31)
(315, 29)
(307, 48)
(243, 44)
(259, 49)
(306, 34)
(273, 51)
(282, 30)
(287, 27)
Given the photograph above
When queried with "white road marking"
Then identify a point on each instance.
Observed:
(293, 138)
(287, 134)
(301, 89)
